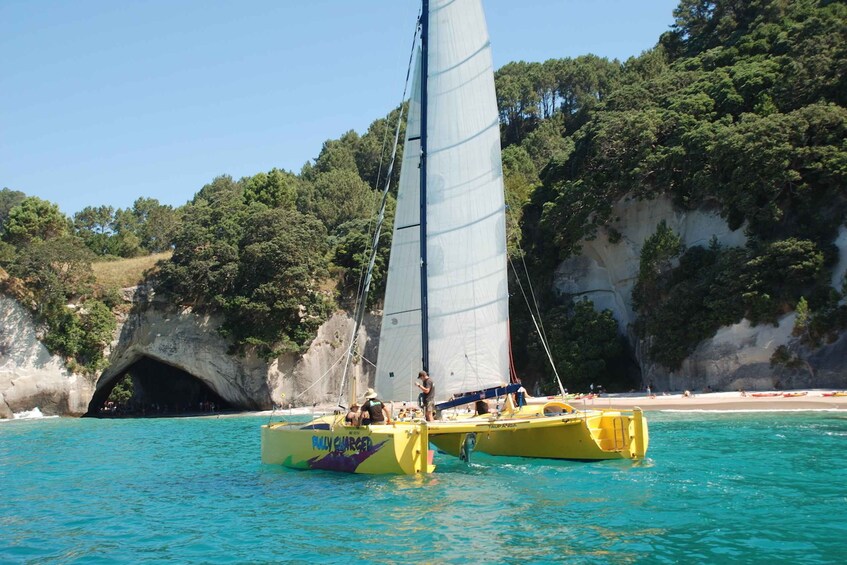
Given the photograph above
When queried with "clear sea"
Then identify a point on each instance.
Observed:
(717, 488)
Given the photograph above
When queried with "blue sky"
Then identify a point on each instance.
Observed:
(105, 101)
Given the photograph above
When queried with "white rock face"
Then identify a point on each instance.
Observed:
(606, 272)
(737, 356)
(315, 377)
(32, 378)
(29, 376)
(191, 343)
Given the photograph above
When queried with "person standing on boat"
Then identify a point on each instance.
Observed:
(375, 409)
(428, 393)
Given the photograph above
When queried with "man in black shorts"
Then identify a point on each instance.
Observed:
(428, 392)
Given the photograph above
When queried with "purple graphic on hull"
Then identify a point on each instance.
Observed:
(338, 461)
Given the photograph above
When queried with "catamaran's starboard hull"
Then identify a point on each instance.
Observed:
(328, 444)
(579, 436)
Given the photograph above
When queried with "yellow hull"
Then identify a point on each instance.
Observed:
(568, 434)
(552, 431)
(327, 443)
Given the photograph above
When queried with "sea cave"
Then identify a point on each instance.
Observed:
(150, 388)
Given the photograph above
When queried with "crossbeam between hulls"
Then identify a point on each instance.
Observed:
(479, 395)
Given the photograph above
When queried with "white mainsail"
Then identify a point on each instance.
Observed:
(466, 234)
(400, 336)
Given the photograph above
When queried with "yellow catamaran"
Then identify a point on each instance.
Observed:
(446, 302)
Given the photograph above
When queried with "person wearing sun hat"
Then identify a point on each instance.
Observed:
(373, 410)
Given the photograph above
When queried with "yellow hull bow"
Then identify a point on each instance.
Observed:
(328, 444)
(557, 431)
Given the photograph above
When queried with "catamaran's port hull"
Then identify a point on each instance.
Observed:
(591, 436)
(329, 444)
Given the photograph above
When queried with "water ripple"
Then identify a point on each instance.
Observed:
(716, 488)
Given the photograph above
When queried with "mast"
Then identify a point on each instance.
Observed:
(424, 72)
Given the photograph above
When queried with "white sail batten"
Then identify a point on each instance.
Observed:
(466, 228)
(400, 336)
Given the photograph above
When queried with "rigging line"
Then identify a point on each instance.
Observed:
(362, 274)
(322, 377)
(363, 294)
(516, 227)
(543, 340)
(307, 389)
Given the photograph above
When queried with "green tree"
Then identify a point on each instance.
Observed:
(33, 219)
(517, 99)
(93, 219)
(98, 325)
(337, 155)
(690, 302)
(587, 348)
(351, 248)
(276, 304)
(152, 223)
(339, 196)
(373, 151)
(801, 322)
(657, 255)
(8, 200)
(520, 180)
(47, 276)
(275, 189)
(95, 225)
(778, 275)
(122, 391)
(547, 142)
(204, 264)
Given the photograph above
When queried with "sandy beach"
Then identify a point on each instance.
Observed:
(720, 401)
(711, 401)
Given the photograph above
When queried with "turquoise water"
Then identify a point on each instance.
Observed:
(725, 488)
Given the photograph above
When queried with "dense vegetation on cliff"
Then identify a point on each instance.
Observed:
(273, 253)
(741, 106)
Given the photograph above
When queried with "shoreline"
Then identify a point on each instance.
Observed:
(767, 401)
(808, 399)
(719, 401)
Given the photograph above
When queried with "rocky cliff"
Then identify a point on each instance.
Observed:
(737, 356)
(29, 376)
(156, 334)
(188, 341)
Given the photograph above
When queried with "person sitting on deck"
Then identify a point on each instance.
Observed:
(520, 397)
(481, 407)
(373, 410)
(352, 416)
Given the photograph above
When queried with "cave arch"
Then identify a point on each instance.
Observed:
(155, 389)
